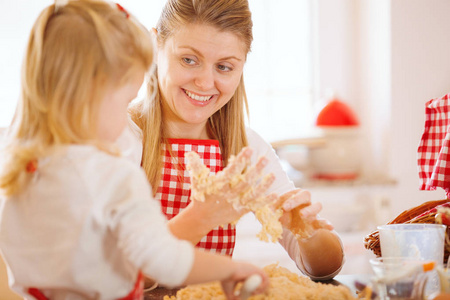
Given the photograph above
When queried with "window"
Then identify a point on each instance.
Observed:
(278, 72)
(15, 26)
(278, 75)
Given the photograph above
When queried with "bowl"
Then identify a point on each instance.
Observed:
(295, 155)
(340, 158)
(420, 241)
(399, 277)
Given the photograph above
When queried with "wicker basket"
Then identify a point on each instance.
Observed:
(424, 213)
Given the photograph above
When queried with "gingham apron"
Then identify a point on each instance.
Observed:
(433, 152)
(174, 190)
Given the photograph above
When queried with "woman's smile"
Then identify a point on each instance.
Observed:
(198, 99)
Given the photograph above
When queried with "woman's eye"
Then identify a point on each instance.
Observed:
(188, 61)
(224, 68)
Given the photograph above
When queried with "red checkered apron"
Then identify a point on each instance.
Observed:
(433, 152)
(174, 190)
(136, 294)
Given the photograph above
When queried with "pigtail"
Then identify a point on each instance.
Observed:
(19, 159)
(17, 166)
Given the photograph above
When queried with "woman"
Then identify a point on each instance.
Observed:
(199, 105)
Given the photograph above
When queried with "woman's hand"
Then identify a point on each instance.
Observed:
(320, 248)
(242, 272)
(299, 214)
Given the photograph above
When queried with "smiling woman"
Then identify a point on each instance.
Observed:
(199, 105)
(195, 71)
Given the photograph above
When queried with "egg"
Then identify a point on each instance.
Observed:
(442, 296)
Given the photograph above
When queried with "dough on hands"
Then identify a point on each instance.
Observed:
(204, 183)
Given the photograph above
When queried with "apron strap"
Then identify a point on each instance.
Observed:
(36, 294)
(138, 291)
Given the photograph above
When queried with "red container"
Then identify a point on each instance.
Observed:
(336, 113)
(339, 159)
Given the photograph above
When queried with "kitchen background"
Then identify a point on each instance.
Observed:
(384, 58)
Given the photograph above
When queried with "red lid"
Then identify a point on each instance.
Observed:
(336, 113)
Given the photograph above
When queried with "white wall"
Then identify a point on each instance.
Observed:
(420, 71)
(374, 81)
(336, 51)
(386, 58)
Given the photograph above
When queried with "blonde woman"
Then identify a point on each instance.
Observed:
(199, 105)
(77, 220)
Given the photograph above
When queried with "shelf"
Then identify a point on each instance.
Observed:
(358, 182)
(310, 142)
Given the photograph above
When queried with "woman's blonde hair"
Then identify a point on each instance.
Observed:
(228, 124)
(74, 53)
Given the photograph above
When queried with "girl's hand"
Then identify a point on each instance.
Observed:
(242, 272)
(219, 197)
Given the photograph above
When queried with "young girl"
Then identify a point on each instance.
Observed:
(77, 220)
(202, 48)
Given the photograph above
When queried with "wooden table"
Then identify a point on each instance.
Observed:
(347, 280)
(159, 293)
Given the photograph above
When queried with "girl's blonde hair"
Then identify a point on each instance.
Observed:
(228, 124)
(74, 53)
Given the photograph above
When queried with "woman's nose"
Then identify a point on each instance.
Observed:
(205, 79)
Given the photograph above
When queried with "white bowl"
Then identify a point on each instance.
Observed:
(296, 156)
(420, 241)
(340, 158)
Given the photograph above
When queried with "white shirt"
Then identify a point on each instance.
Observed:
(87, 223)
(260, 147)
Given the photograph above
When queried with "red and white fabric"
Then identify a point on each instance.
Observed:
(433, 151)
(174, 190)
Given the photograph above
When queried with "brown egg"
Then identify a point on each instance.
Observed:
(442, 296)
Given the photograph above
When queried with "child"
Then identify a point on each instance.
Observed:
(76, 221)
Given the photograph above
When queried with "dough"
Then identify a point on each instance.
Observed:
(204, 183)
(284, 285)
